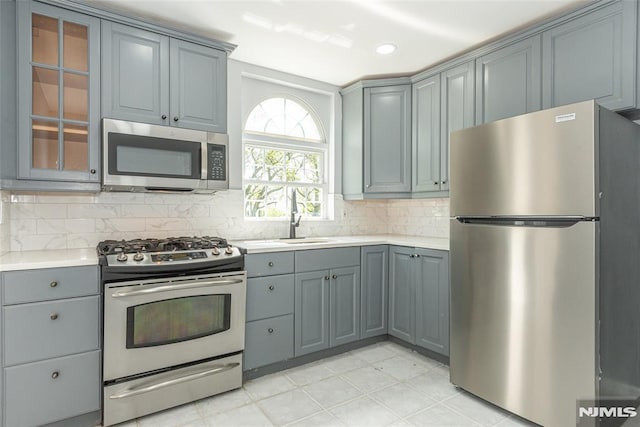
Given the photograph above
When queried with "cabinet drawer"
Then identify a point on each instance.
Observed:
(269, 296)
(49, 283)
(326, 259)
(52, 390)
(268, 341)
(269, 264)
(49, 329)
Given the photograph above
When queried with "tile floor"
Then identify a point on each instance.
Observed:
(384, 384)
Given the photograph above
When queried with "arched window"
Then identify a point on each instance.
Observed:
(284, 151)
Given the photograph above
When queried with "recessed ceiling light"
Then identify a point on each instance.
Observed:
(385, 49)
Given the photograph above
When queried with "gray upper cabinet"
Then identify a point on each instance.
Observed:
(135, 74)
(58, 95)
(432, 300)
(387, 139)
(593, 56)
(508, 81)
(165, 81)
(426, 137)
(456, 110)
(374, 290)
(198, 77)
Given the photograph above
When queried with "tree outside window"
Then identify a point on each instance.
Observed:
(284, 151)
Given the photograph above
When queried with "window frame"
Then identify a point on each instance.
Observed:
(283, 142)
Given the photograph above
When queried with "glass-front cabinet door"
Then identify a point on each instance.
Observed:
(58, 104)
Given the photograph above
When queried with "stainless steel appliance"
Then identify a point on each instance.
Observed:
(141, 157)
(174, 319)
(545, 261)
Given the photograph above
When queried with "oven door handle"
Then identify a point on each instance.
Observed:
(134, 391)
(175, 287)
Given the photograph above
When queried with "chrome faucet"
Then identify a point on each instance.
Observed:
(294, 210)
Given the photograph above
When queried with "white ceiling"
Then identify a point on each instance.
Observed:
(335, 40)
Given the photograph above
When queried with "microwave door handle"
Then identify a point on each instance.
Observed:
(204, 160)
(175, 287)
(133, 391)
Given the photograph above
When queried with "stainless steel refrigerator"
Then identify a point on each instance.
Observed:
(545, 260)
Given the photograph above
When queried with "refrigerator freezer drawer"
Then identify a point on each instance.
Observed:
(523, 317)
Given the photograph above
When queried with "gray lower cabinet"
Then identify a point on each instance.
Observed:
(165, 81)
(419, 297)
(51, 341)
(327, 300)
(270, 306)
(311, 312)
(387, 139)
(508, 81)
(593, 56)
(374, 290)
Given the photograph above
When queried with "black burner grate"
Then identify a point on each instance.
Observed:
(109, 247)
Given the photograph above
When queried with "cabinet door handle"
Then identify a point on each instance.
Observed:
(326, 277)
(53, 284)
(164, 117)
(435, 183)
(444, 182)
(270, 264)
(93, 171)
(55, 374)
(54, 316)
(175, 118)
(334, 277)
(270, 330)
(271, 288)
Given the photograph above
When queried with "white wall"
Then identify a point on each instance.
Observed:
(5, 239)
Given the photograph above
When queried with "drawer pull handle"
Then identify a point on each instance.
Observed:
(55, 374)
(334, 276)
(54, 316)
(271, 288)
(270, 330)
(270, 263)
(53, 284)
(326, 277)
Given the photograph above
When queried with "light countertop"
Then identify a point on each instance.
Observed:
(28, 260)
(277, 245)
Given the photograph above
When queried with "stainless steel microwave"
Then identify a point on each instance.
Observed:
(141, 157)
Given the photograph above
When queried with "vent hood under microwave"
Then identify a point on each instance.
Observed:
(140, 157)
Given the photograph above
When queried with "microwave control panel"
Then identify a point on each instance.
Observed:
(217, 162)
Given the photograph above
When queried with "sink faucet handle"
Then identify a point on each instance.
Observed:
(297, 223)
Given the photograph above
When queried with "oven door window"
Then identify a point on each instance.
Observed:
(178, 319)
(155, 157)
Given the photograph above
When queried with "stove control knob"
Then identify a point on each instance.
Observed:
(215, 251)
(228, 250)
(122, 257)
(139, 256)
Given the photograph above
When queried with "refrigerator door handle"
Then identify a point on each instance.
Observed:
(545, 222)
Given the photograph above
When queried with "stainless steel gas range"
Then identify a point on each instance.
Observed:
(174, 314)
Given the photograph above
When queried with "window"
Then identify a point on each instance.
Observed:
(284, 152)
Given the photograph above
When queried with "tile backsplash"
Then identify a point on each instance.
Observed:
(33, 221)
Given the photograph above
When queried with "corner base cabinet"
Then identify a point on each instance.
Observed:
(419, 297)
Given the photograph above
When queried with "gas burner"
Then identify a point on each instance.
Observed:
(171, 244)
